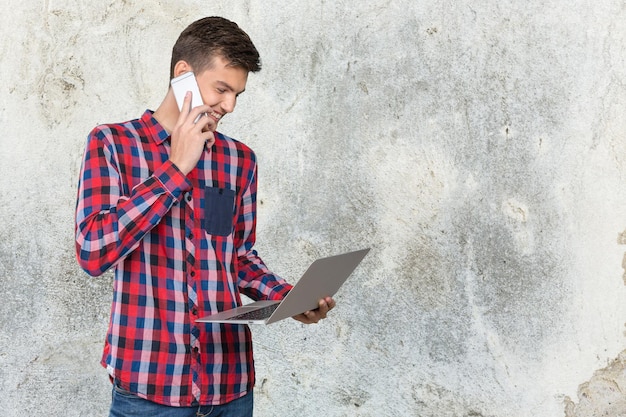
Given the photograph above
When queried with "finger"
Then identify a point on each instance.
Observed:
(200, 116)
(313, 315)
(211, 139)
(207, 123)
(186, 106)
(187, 103)
(302, 318)
(316, 315)
(323, 306)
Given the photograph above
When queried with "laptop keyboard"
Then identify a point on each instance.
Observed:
(260, 314)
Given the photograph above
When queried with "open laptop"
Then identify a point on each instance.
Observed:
(322, 279)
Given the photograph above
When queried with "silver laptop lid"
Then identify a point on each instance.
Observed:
(322, 279)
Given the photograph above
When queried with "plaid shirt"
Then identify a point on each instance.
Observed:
(181, 247)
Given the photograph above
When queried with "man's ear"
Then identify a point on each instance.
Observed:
(181, 67)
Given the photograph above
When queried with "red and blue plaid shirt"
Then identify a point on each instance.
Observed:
(181, 247)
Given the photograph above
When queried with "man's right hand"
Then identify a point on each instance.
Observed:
(189, 138)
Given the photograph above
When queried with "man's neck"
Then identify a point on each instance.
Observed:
(167, 113)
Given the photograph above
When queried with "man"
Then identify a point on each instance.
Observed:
(170, 204)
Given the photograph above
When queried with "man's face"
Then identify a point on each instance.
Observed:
(220, 86)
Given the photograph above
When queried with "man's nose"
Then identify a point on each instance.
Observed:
(228, 104)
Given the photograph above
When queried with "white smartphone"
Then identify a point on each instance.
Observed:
(182, 84)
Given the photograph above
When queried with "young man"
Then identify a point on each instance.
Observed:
(170, 204)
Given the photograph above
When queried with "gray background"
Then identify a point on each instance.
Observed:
(477, 146)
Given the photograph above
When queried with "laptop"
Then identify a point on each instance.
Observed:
(322, 279)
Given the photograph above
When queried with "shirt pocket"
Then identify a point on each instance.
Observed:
(219, 209)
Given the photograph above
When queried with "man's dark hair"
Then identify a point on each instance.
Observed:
(209, 37)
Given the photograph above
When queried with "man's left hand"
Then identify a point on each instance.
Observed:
(313, 316)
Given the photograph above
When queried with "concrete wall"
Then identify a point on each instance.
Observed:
(477, 146)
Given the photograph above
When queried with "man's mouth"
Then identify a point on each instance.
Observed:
(216, 116)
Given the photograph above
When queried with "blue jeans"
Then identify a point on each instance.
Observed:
(126, 404)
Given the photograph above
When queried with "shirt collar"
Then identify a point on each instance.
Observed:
(157, 132)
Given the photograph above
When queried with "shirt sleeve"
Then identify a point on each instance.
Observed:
(109, 225)
(255, 279)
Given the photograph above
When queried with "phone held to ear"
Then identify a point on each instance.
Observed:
(182, 84)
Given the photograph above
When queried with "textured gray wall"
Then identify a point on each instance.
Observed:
(478, 147)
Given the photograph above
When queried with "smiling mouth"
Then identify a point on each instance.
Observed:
(216, 116)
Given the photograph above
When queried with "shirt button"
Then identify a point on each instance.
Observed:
(188, 197)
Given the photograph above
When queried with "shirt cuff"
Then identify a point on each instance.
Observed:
(279, 291)
(173, 180)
